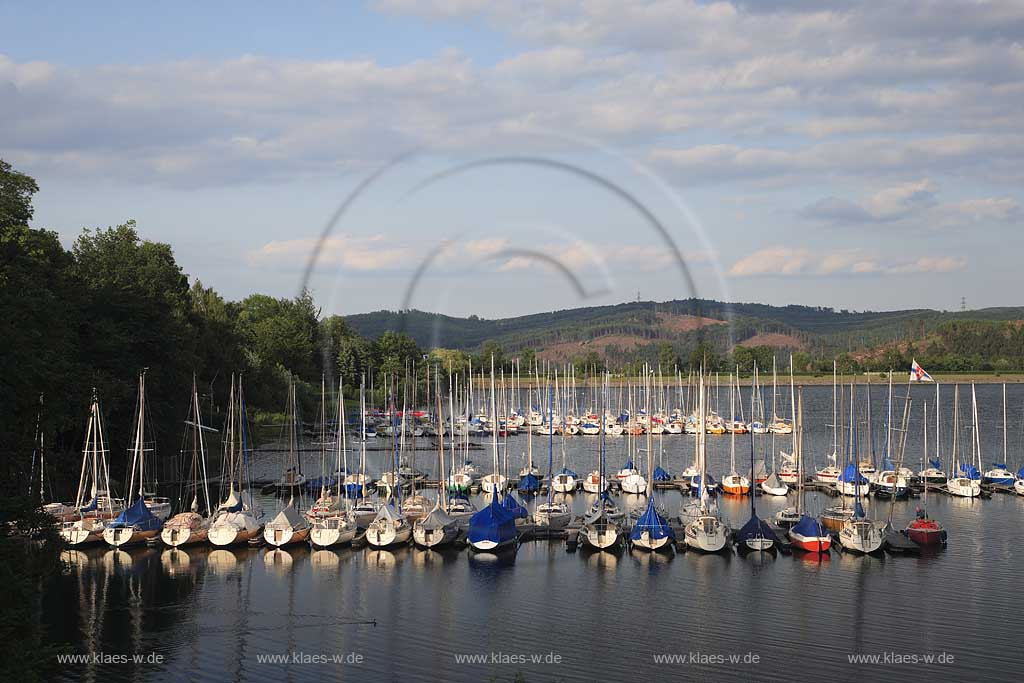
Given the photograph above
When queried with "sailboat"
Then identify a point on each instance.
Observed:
(238, 519)
(891, 482)
(136, 523)
(859, 534)
(651, 531)
(999, 475)
(829, 473)
(459, 506)
(187, 528)
(965, 482)
(390, 527)
(93, 507)
(733, 483)
(365, 509)
(808, 534)
(789, 472)
(933, 475)
(290, 525)
(705, 530)
(332, 525)
(757, 535)
(601, 529)
(437, 528)
(493, 528)
(924, 530)
(552, 515)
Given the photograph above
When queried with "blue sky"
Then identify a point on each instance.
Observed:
(867, 156)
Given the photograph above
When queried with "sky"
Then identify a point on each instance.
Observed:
(498, 159)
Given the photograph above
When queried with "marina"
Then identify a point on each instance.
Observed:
(368, 594)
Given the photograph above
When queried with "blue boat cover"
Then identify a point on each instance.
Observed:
(512, 506)
(653, 523)
(91, 506)
(970, 471)
(528, 484)
(352, 490)
(137, 515)
(493, 523)
(1000, 465)
(887, 464)
(935, 463)
(661, 475)
(1020, 473)
(809, 527)
(858, 511)
(566, 470)
(756, 528)
(629, 464)
(851, 474)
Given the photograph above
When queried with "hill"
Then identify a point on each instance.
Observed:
(624, 332)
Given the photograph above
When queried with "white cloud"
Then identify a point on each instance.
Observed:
(805, 262)
(361, 253)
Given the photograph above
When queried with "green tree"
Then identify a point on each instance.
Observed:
(668, 359)
(16, 191)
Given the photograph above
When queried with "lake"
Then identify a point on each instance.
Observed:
(546, 614)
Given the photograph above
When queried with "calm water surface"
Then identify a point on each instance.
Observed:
(410, 615)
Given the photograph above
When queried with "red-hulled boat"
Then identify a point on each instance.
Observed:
(925, 531)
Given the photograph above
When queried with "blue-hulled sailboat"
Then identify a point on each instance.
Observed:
(493, 528)
(651, 530)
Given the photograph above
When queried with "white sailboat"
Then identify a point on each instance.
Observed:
(705, 530)
(238, 519)
(290, 525)
(338, 526)
(734, 483)
(365, 509)
(437, 528)
(390, 527)
(551, 515)
(601, 530)
(858, 533)
(830, 472)
(94, 507)
(187, 528)
(933, 475)
(961, 483)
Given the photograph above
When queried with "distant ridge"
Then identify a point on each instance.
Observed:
(621, 328)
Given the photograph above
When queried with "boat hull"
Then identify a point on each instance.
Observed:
(385, 536)
(222, 535)
(122, 537)
(178, 537)
(328, 536)
(601, 538)
(810, 544)
(645, 542)
(432, 538)
(282, 536)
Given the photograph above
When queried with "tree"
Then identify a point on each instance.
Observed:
(16, 190)
(393, 351)
(490, 350)
(668, 359)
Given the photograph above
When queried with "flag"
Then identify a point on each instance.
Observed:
(917, 373)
